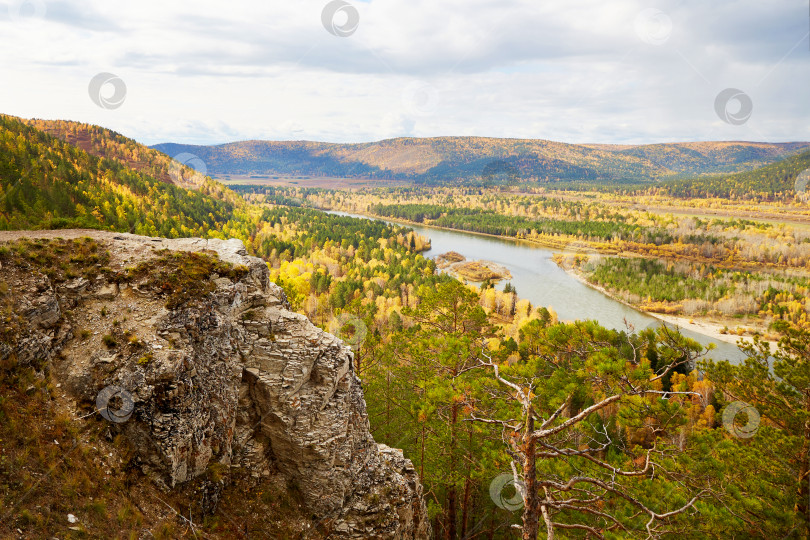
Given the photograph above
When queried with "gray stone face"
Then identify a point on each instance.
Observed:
(234, 378)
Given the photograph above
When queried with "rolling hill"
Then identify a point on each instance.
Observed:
(76, 175)
(773, 182)
(57, 173)
(443, 160)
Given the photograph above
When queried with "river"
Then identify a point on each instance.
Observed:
(538, 279)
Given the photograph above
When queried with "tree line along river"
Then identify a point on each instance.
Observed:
(538, 279)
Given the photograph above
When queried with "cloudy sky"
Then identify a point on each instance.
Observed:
(613, 71)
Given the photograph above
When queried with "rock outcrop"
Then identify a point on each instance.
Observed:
(231, 377)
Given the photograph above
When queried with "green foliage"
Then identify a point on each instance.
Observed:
(658, 280)
(272, 194)
(319, 229)
(421, 362)
(355, 244)
(768, 483)
(774, 182)
(418, 394)
(429, 387)
(778, 296)
(47, 183)
(480, 221)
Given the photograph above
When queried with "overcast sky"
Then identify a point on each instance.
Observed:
(613, 71)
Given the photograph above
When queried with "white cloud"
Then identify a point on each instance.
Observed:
(577, 71)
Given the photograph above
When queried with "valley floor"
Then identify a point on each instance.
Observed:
(726, 329)
(721, 329)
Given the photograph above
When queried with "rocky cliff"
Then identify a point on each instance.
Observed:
(193, 355)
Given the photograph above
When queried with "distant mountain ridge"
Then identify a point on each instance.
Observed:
(440, 160)
(691, 168)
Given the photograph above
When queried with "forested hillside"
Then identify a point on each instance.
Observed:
(105, 143)
(774, 182)
(48, 183)
(614, 433)
(697, 158)
(483, 161)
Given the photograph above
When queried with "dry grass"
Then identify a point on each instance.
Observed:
(182, 276)
(59, 259)
(450, 257)
(475, 271)
(53, 464)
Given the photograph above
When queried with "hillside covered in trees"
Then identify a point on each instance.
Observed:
(484, 161)
(610, 433)
(773, 182)
(49, 183)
